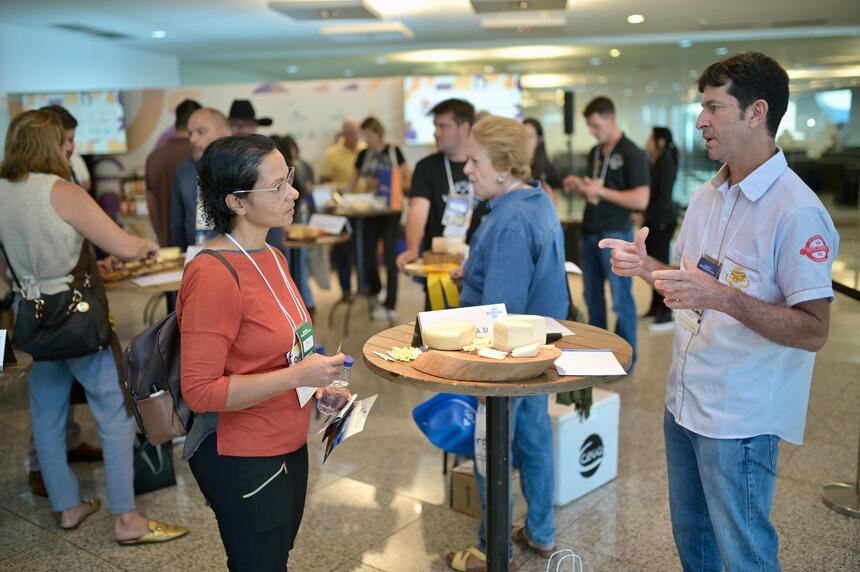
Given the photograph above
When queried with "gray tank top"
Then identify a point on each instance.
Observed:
(42, 247)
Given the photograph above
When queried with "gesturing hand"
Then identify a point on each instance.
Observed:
(690, 288)
(628, 258)
(318, 370)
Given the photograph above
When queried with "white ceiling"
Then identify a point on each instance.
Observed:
(247, 34)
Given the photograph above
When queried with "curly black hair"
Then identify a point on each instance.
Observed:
(229, 165)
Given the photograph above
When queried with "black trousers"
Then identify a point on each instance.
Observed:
(657, 245)
(388, 229)
(258, 502)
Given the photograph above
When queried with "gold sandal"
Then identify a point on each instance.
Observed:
(458, 560)
(158, 532)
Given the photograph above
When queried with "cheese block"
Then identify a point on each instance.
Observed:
(448, 336)
(492, 354)
(509, 334)
(538, 324)
(169, 253)
(530, 350)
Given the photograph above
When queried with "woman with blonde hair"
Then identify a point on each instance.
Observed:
(516, 257)
(44, 223)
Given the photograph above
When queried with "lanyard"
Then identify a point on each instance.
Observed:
(726, 230)
(286, 282)
(450, 175)
(605, 165)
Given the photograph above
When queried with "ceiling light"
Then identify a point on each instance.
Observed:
(635, 19)
(531, 52)
(685, 44)
(436, 56)
(518, 20)
(615, 52)
(367, 29)
(292, 69)
(158, 34)
(546, 80)
(810, 122)
(721, 51)
(595, 61)
(521, 5)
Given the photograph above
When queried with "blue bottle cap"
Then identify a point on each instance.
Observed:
(347, 361)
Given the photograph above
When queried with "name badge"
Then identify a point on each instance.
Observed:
(304, 344)
(709, 266)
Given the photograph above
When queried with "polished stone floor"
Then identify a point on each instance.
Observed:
(379, 503)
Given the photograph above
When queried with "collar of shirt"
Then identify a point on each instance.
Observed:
(756, 183)
(518, 194)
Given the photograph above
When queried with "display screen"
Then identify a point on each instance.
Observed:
(100, 115)
(498, 94)
(835, 104)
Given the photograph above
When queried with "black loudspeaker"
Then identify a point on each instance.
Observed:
(568, 113)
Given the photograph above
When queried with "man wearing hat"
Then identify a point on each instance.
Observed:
(243, 118)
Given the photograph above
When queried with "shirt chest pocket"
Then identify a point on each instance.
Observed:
(746, 273)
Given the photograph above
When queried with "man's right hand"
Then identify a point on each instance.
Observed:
(319, 370)
(628, 258)
(405, 258)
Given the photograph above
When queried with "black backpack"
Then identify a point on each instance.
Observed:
(152, 376)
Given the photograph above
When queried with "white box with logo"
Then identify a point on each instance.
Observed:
(586, 452)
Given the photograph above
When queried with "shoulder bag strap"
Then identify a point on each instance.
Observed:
(220, 257)
(9, 266)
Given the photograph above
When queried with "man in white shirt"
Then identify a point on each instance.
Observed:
(753, 298)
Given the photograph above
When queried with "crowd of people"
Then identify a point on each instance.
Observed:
(751, 299)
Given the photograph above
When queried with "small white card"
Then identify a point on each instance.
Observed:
(482, 316)
(588, 362)
(191, 252)
(158, 279)
(305, 394)
(330, 224)
(2, 348)
(572, 268)
(553, 326)
(355, 422)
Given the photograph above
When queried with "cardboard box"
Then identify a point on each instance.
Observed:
(466, 499)
(586, 452)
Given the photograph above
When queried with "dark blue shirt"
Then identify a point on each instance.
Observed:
(516, 257)
(183, 210)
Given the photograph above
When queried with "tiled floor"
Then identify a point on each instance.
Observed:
(379, 503)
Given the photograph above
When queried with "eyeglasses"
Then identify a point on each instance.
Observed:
(280, 190)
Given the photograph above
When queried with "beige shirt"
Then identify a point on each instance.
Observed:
(338, 164)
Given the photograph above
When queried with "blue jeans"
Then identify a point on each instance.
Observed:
(532, 445)
(720, 496)
(596, 270)
(50, 383)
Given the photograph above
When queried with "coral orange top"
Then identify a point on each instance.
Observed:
(232, 329)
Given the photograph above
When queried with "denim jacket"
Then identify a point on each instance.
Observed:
(516, 257)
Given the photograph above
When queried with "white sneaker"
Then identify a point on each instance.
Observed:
(383, 313)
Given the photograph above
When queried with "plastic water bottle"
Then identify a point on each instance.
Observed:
(335, 395)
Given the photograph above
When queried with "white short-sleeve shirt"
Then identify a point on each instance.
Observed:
(775, 242)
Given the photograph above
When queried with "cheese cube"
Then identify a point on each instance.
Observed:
(509, 334)
(530, 350)
(538, 324)
(449, 336)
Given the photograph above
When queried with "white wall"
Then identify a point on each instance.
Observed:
(40, 60)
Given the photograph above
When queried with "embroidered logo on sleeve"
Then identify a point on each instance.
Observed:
(816, 249)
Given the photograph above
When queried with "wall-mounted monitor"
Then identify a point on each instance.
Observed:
(499, 94)
(101, 118)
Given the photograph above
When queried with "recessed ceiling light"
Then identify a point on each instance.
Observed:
(292, 69)
(595, 61)
(721, 51)
(810, 122)
(157, 34)
(685, 44)
(615, 52)
(635, 19)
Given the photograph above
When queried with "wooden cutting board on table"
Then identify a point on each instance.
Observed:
(469, 366)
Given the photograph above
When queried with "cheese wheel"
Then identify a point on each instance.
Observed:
(448, 336)
(509, 334)
(538, 324)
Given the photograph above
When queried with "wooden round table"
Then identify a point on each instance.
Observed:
(11, 372)
(327, 240)
(498, 396)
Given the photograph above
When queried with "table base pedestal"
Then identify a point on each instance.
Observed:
(498, 523)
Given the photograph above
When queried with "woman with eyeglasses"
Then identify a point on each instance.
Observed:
(247, 349)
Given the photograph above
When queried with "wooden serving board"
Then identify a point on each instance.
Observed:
(469, 366)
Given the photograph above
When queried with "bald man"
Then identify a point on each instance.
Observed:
(205, 126)
(338, 164)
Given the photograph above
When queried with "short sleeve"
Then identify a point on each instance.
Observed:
(422, 185)
(207, 334)
(636, 169)
(806, 245)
